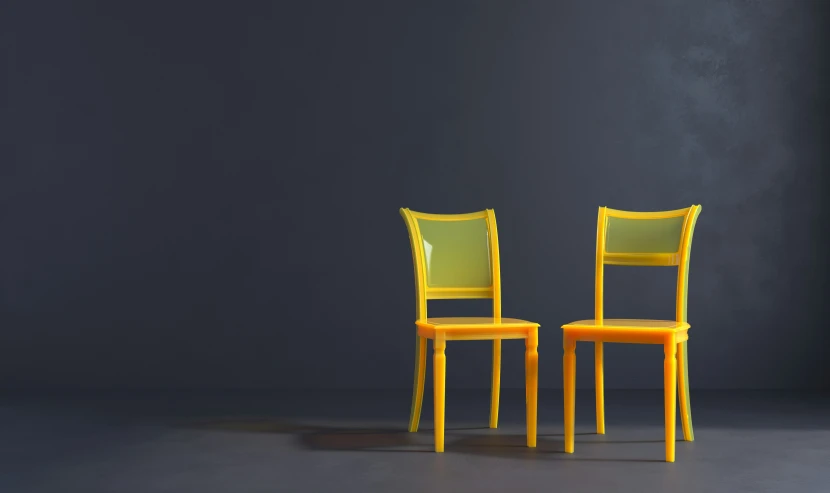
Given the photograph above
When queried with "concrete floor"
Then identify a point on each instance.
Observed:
(342, 442)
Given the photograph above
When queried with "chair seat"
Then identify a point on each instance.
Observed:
(627, 330)
(475, 328)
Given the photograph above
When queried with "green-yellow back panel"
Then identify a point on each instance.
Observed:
(623, 235)
(456, 253)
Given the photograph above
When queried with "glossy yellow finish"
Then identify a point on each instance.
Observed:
(474, 328)
(456, 256)
(569, 374)
(495, 385)
(647, 239)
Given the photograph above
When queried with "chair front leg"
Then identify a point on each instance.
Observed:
(439, 362)
(496, 385)
(569, 372)
(531, 383)
(670, 390)
(600, 387)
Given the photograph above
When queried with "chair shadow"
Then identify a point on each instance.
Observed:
(390, 439)
(601, 441)
(333, 438)
(376, 439)
(562, 435)
(515, 447)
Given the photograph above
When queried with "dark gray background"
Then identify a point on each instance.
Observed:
(206, 194)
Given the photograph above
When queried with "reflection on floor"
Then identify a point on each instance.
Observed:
(357, 441)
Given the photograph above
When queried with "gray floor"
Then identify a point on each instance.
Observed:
(356, 442)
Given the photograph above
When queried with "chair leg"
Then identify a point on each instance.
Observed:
(439, 361)
(494, 392)
(683, 389)
(569, 372)
(670, 389)
(531, 383)
(418, 384)
(600, 388)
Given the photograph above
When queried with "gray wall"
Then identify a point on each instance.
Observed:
(207, 195)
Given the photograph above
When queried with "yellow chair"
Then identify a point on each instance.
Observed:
(638, 238)
(456, 256)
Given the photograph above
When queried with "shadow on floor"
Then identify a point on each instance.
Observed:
(483, 441)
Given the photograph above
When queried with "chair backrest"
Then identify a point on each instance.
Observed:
(646, 238)
(455, 256)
